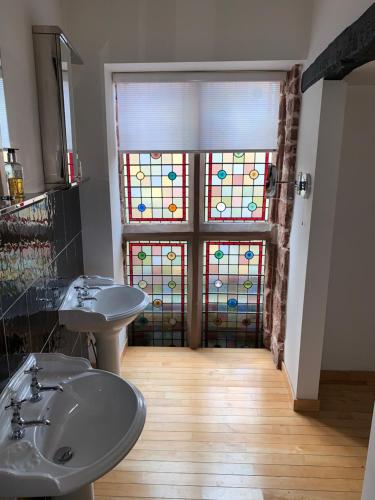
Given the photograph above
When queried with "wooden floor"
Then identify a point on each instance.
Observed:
(220, 426)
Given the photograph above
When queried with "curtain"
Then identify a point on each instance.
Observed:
(281, 211)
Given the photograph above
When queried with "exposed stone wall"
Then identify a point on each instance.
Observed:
(281, 211)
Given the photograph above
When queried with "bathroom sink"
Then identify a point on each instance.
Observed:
(97, 305)
(112, 307)
(96, 421)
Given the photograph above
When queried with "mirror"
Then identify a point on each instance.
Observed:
(71, 150)
(4, 132)
(54, 56)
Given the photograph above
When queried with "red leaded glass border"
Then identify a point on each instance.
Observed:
(159, 269)
(156, 187)
(236, 186)
(233, 293)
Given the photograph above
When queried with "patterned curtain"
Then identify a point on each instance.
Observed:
(281, 211)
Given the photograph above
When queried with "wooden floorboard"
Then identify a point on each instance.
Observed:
(220, 425)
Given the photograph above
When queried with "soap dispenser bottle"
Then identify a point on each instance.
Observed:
(14, 174)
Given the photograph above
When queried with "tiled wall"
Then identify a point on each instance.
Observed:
(40, 254)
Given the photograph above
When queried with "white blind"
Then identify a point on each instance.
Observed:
(4, 131)
(197, 115)
(238, 116)
(157, 116)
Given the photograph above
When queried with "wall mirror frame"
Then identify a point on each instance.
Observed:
(54, 56)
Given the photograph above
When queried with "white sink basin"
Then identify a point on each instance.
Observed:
(105, 310)
(98, 415)
(113, 307)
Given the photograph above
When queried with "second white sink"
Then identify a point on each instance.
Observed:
(104, 310)
(112, 306)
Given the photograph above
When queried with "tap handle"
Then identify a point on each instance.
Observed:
(34, 369)
(15, 404)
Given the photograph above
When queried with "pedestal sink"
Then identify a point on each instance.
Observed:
(98, 417)
(105, 309)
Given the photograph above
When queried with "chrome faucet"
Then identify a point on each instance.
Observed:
(51, 301)
(84, 290)
(81, 298)
(18, 423)
(36, 387)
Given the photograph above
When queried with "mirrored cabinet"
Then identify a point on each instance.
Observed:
(54, 56)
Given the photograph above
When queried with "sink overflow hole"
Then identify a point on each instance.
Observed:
(63, 455)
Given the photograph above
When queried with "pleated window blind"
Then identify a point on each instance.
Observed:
(196, 114)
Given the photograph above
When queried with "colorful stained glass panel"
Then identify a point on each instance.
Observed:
(235, 186)
(156, 187)
(159, 269)
(233, 293)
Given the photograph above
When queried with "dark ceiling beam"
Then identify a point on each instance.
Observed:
(354, 47)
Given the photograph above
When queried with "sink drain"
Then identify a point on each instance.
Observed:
(63, 455)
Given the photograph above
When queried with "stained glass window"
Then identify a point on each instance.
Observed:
(233, 293)
(159, 269)
(156, 187)
(235, 186)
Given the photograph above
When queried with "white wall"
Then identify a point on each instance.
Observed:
(309, 276)
(368, 492)
(318, 153)
(17, 55)
(127, 31)
(299, 238)
(349, 342)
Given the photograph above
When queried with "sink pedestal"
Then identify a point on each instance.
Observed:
(108, 351)
(84, 493)
(105, 312)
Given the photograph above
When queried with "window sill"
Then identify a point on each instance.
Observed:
(207, 230)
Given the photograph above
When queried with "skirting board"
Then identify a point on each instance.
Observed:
(347, 377)
(299, 404)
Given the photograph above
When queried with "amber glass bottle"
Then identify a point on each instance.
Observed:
(14, 174)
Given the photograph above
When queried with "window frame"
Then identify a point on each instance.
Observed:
(196, 231)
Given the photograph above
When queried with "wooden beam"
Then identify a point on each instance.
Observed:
(354, 47)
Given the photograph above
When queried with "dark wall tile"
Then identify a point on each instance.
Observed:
(37, 241)
(40, 255)
(11, 265)
(74, 265)
(55, 209)
(72, 213)
(66, 342)
(17, 327)
(42, 303)
(4, 362)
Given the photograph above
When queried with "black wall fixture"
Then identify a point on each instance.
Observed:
(354, 47)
